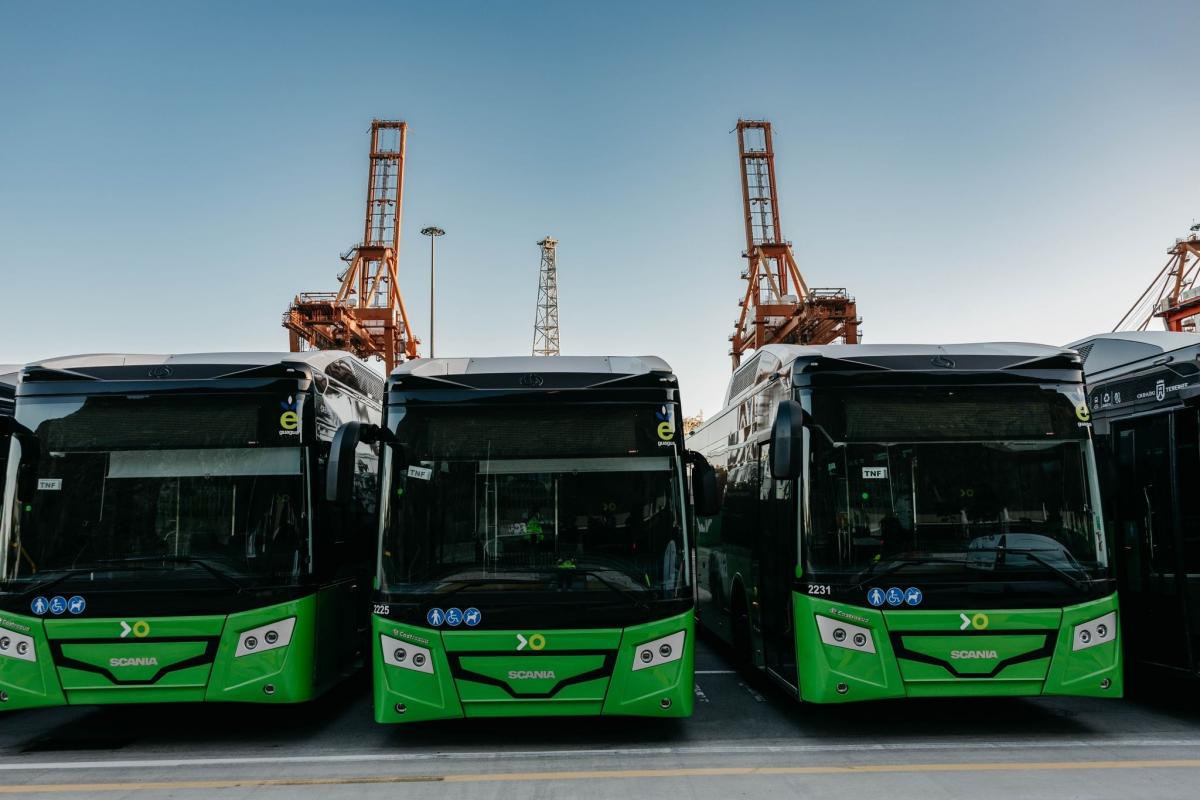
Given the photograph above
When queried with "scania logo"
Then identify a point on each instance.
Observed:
(942, 362)
(531, 675)
(532, 380)
(973, 654)
(161, 371)
(150, 661)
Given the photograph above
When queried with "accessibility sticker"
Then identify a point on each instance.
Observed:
(76, 604)
(894, 596)
(454, 617)
(39, 606)
(913, 596)
(58, 605)
(435, 617)
(472, 617)
(875, 597)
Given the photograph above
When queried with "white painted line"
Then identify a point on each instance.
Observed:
(716, 672)
(11, 764)
(757, 697)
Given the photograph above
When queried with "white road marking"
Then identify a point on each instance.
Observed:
(11, 765)
(716, 672)
(758, 698)
(700, 695)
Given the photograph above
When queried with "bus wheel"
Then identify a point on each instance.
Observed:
(743, 653)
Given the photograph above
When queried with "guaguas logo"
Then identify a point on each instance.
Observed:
(289, 420)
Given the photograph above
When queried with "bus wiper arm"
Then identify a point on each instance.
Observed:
(1032, 555)
(635, 598)
(221, 575)
(892, 565)
(66, 573)
(469, 583)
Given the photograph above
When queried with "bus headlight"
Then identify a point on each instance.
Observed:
(1098, 631)
(660, 651)
(265, 637)
(17, 645)
(843, 634)
(406, 655)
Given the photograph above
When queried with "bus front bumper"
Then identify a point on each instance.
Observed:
(425, 674)
(264, 655)
(847, 653)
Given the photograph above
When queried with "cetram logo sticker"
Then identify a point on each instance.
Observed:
(289, 420)
(535, 642)
(140, 629)
(978, 621)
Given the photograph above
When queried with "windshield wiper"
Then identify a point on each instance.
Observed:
(470, 583)
(636, 598)
(894, 564)
(1059, 572)
(199, 562)
(66, 573)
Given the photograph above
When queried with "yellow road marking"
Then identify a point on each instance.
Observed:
(576, 775)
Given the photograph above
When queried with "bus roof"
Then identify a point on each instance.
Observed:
(334, 364)
(1108, 355)
(957, 357)
(858, 352)
(83, 363)
(520, 365)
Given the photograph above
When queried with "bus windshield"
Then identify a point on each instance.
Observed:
(210, 489)
(503, 500)
(952, 484)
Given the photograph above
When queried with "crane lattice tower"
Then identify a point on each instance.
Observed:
(778, 307)
(545, 325)
(366, 315)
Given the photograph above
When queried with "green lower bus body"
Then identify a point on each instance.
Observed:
(975, 652)
(531, 673)
(91, 661)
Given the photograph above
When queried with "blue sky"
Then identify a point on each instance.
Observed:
(171, 174)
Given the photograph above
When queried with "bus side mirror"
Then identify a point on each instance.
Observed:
(339, 472)
(787, 441)
(706, 498)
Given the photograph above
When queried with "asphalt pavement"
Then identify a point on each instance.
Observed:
(745, 740)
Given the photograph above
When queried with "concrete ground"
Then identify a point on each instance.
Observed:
(745, 740)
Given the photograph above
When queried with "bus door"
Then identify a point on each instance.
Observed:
(776, 553)
(1148, 520)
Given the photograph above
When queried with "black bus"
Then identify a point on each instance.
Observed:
(1144, 396)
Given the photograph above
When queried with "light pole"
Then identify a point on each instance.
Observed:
(432, 232)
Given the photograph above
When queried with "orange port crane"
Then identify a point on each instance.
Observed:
(366, 315)
(778, 306)
(1173, 295)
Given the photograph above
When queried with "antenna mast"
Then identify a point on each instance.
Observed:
(545, 325)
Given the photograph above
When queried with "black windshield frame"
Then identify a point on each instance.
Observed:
(200, 488)
(546, 561)
(880, 508)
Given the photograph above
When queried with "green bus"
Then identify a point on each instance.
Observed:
(1144, 396)
(909, 521)
(534, 540)
(165, 537)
